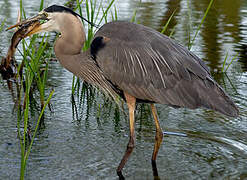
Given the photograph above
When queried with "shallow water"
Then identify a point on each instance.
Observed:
(91, 146)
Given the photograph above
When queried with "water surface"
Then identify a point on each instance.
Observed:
(90, 145)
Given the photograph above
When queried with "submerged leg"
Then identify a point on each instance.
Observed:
(131, 101)
(158, 139)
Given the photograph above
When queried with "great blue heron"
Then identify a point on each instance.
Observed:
(136, 63)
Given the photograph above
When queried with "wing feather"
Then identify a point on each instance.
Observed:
(152, 67)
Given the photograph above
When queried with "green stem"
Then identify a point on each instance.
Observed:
(199, 27)
(37, 125)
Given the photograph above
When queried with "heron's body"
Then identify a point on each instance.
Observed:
(138, 64)
(152, 67)
(146, 64)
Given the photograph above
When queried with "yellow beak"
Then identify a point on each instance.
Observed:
(32, 29)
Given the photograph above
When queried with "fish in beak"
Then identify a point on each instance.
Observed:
(30, 26)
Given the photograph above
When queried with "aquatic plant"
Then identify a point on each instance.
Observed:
(2, 24)
(85, 92)
(191, 42)
(224, 67)
(32, 74)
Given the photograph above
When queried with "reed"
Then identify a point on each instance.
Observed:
(191, 42)
(167, 23)
(32, 76)
(225, 67)
(96, 14)
(26, 139)
(133, 18)
(2, 24)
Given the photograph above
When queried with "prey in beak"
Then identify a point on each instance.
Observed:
(8, 65)
(30, 26)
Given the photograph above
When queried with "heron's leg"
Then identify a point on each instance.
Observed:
(158, 139)
(131, 102)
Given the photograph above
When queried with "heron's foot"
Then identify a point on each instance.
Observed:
(155, 170)
(127, 153)
(120, 175)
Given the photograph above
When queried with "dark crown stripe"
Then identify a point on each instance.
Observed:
(56, 8)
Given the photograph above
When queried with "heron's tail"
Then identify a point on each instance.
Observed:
(218, 100)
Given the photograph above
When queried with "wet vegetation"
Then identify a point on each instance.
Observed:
(31, 76)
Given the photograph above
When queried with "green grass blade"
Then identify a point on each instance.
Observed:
(41, 5)
(106, 11)
(19, 118)
(233, 59)
(224, 63)
(116, 14)
(112, 15)
(21, 8)
(93, 7)
(87, 10)
(199, 27)
(2, 24)
(28, 82)
(133, 19)
(79, 7)
(168, 22)
(73, 85)
(37, 125)
(189, 23)
(98, 11)
(172, 32)
(104, 17)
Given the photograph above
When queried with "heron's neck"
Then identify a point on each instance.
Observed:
(68, 47)
(72, 36)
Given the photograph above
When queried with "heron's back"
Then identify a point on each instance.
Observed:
(152, 67)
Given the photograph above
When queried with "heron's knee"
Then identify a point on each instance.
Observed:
(159, 136)
(131, 143)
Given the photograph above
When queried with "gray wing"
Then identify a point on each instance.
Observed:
(152, 67)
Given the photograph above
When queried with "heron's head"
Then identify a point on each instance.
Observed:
(50, 19)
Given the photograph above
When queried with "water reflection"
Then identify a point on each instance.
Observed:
(220, 27)
(171, 7)
(242, 48)
(220, 32)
